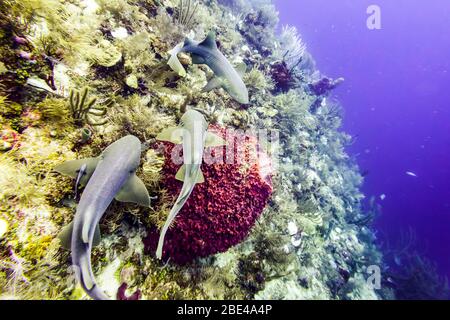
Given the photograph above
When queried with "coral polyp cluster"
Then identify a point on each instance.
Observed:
(221, 211)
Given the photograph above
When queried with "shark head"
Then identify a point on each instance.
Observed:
(240, 94)
(129, 145)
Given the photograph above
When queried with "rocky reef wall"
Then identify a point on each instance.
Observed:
(77, 75)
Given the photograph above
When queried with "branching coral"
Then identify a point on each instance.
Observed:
(223, 203)
(84, 110)
(186, 11)
(291, 47)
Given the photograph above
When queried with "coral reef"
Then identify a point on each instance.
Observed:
(229, 202)
(77, 75)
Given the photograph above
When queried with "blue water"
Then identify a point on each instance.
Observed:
(396, 99)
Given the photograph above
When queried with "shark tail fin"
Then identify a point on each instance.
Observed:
(87, 280)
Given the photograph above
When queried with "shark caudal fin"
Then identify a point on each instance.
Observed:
(87, 280)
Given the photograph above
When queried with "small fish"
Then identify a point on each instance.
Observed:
(412, 174)
(382, 197)
(193, 135)
(225, 75)
(111, 175)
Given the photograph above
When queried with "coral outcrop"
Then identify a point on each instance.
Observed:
(220, 212)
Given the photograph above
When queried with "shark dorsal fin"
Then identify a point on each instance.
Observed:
(189, 42)
(210, 41)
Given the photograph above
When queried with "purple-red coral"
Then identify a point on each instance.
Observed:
(221, 211)
(282, 77)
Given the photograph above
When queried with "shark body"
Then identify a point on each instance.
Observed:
(193, 135)
(111, 175)
(206, 52)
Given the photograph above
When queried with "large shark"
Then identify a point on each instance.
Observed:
(193, 135)
(111, 175)
(225, 75)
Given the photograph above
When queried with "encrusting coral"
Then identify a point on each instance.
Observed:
(229, 202)
(75, 76)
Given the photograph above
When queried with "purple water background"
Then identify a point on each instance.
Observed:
(396, 99)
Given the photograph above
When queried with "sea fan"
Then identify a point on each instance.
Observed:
(290, 47)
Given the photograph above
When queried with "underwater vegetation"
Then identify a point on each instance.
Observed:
(78, 76)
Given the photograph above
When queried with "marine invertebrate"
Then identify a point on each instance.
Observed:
(258, 28)
(9, 138)
(283, 77)
(84, 110)
(186, 12)
(291, 47)
(324, 85)
(223, 203)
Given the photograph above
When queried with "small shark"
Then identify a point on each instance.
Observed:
(193, 135)
(206, 52)
(111, 175)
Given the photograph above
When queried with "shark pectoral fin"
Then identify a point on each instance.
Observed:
(181, 173)
(134, 190)
(97, 236)
(174, 135)
(214, 83)
(201, 177)
(176, 66)
(210, 41)
(213, 140)
(72, 168)
(174, 63)
(65, 236)
(241, 69)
